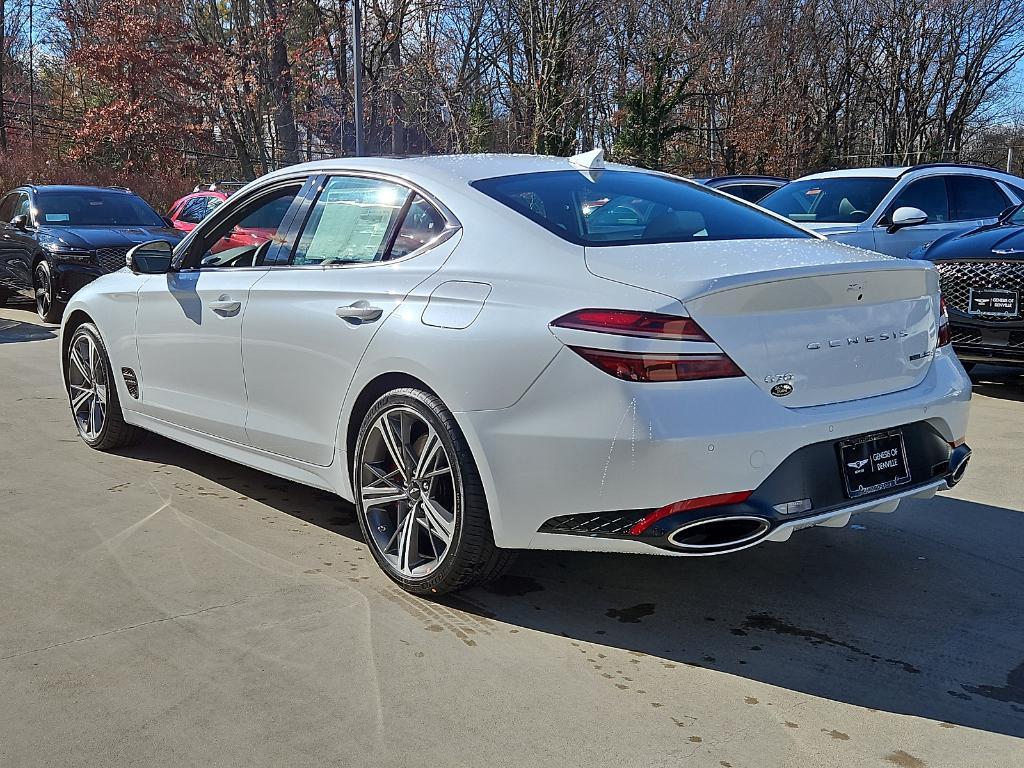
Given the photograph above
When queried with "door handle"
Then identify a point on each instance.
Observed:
(224, 304)
(359, 311)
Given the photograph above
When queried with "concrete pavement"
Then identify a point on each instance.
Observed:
(167, 608)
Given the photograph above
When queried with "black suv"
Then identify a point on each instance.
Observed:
(55, 239)
(981, 275)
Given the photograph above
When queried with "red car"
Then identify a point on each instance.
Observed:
(188, 211)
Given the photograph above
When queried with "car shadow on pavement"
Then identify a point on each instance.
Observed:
(14, 331)
(1001, 382)
(919, 613)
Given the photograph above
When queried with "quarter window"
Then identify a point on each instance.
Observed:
(976, 198)
(928, 195)
(352, 221)
(421, 226)
(7, 208)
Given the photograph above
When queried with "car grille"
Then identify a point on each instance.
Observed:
(956, 278)
(111, 259)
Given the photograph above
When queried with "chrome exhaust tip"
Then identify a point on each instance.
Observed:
(958, 462)
(719, 534)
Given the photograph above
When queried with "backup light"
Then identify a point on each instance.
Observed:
(944, 335)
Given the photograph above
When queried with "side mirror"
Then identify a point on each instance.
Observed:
(20, 221)
(152, 258)
(906, 216)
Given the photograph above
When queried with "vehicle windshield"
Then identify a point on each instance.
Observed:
(1017, 217)
(841, 200)
(630, 208)
(95, 208)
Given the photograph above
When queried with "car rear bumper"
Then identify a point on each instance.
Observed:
(583, 443)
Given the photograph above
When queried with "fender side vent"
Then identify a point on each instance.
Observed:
(131, 382)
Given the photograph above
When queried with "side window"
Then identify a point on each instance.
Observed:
(7, 208)
(421, 225)
(352, 221)
(246, 235)
(927, 194)
(976, 198)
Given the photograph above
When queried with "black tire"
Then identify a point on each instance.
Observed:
(47, 307)
(115, 432)
(471, 557)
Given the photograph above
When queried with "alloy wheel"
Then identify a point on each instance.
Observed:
(44, 291)
(88, 386)
(408, 492)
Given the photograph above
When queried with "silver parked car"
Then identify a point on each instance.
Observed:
(895, 210)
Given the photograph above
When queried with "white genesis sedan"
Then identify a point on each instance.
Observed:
(493, 353)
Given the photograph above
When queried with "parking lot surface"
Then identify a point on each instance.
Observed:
(163, 607)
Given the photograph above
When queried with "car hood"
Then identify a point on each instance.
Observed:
(107, 237)
(1004, 241)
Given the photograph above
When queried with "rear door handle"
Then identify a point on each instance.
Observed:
(359, 311)
(224, 304)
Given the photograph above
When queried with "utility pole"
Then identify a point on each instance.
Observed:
(31, 81)
(357, 73)
(1009, 158)
(3, 64)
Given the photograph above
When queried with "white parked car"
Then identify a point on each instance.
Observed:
(491, 353)
(895, 210)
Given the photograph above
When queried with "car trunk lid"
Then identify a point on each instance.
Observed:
(831, 322)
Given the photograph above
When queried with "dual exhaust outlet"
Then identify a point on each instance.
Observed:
(721, 534)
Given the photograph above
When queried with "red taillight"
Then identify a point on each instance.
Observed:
(624, 322)
(944, 337)
(688, 505)
(648, 366)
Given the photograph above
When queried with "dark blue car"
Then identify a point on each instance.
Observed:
(55, 239)
(982, 278)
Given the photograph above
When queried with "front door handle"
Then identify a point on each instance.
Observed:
(360, 311)
(225, 305)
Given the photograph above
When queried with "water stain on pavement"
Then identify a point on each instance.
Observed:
(905, 760)
(631, 615)
(767, 623)
(1011, 693)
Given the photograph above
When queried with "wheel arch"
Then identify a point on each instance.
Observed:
(369, 394)
(72, 321)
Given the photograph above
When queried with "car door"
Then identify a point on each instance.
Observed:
(975, 201)
(928, 194)
(189, 321)
(17, 244)
(366, 244)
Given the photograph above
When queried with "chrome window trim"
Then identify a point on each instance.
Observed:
(451, 222)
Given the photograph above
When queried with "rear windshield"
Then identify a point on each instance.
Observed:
(630, 208)
(839, 200)
(84, 208)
